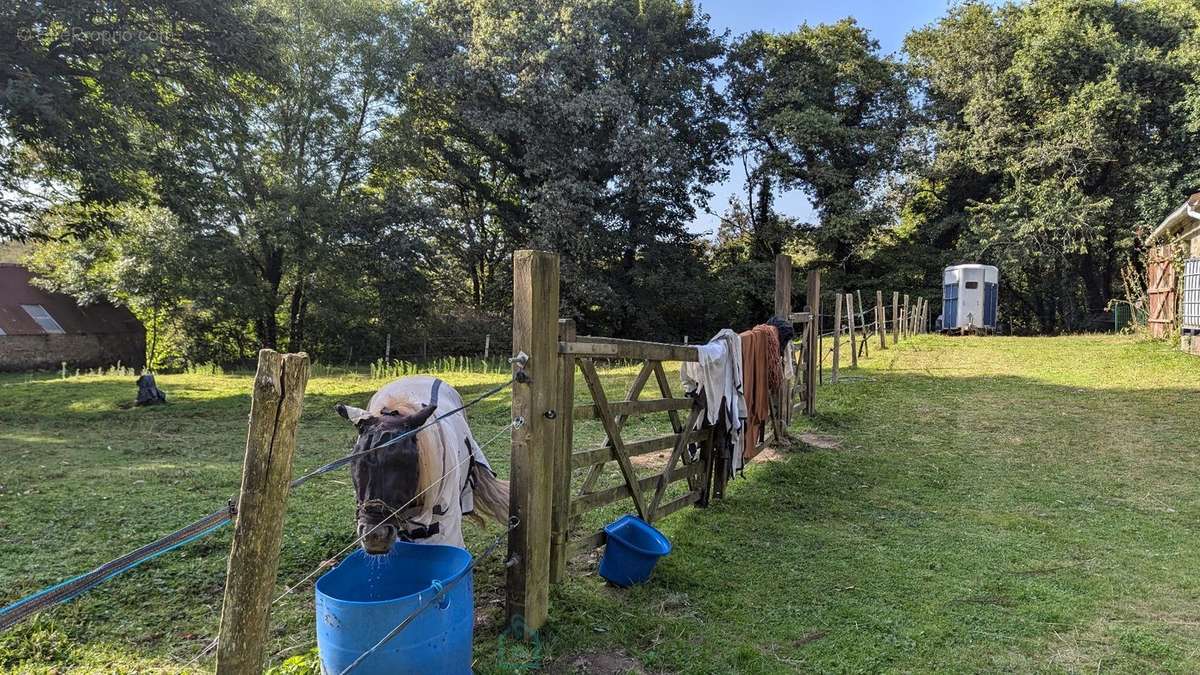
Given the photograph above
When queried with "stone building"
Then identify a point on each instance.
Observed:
(41, 330)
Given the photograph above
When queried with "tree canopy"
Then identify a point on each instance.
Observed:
(320, 174)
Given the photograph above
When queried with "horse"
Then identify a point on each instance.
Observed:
(421, 487)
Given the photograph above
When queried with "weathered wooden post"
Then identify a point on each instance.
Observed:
(864, 340)
(258, 531)
(813, 360)
(783, 310)
(536, 432)
(895, 317)
(837, 337)
(880, 320)
(905, 308)
(850, 326)
(560, 516)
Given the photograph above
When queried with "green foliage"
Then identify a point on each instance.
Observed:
(827, 114)
(585, 127)
(1067, 136)
(95, 97)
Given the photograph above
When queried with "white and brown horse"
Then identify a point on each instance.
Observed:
(420, 487)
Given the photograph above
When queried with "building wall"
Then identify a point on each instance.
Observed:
(79, 350)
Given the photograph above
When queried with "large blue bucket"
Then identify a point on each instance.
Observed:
(631, 551)
(366, 596)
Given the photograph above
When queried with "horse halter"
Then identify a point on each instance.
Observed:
(377, 512)
(374, 512)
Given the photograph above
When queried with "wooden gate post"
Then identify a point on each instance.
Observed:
(783, 310)
(880, 320)
(812, 361)
(258, 532)
(534, 439)
(560, 515)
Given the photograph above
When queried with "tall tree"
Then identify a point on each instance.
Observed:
(281, 180)
(90, 90)
(1072, 129)
(826, 113)
(586, 127)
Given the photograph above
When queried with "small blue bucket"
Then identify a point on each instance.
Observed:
(365, 597)
(632, 550)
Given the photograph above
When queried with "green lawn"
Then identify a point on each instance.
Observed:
(1014, 504)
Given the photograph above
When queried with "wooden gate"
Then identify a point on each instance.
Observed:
(566, 442)
(577, 494)
(1161, 291)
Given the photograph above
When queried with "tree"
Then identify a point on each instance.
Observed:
(135, 266)
(1072, 130)
(90, 91)
(825, 113)
(280, 185)
(589, 128)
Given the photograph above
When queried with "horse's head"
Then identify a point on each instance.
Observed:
(390, 484)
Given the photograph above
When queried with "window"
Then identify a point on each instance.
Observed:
(1191, 294)
(971, 285)
(43, 318)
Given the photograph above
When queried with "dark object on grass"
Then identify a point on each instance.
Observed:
(148, 392)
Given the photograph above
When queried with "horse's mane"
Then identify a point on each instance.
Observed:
(429, 451)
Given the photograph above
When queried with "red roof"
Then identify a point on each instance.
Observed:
(16, 290)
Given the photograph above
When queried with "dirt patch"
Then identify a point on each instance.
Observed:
(769, 455)
(820, 441)
(596, 662)
(656, 461)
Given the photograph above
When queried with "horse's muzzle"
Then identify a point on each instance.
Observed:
(377, 539)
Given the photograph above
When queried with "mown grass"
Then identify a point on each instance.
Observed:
(1014, 504)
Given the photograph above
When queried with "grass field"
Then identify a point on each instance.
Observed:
(998, 504)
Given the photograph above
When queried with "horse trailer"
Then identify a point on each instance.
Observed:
(970, 298)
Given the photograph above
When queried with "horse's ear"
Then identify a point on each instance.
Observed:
(356, 416)
(421, 416)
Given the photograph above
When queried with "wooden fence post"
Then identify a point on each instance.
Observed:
(783, 310)
(850, 325)
(865, 347)
(812, 363)
(258, 531)
(531, 473)
(880, 320)
(895, 317)
(560, 516)
(905, 307)
(837, 336)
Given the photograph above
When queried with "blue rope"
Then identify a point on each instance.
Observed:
(61, 592)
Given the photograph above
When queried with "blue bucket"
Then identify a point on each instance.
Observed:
(365, 597)
(632, 550)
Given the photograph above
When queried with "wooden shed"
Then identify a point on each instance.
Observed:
(1174, 246)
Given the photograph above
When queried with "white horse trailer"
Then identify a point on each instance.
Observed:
(970, 298)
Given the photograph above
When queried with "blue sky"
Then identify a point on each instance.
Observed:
(888, 23)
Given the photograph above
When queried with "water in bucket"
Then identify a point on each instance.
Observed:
(363, 598)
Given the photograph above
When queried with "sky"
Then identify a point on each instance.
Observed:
(887, 20)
